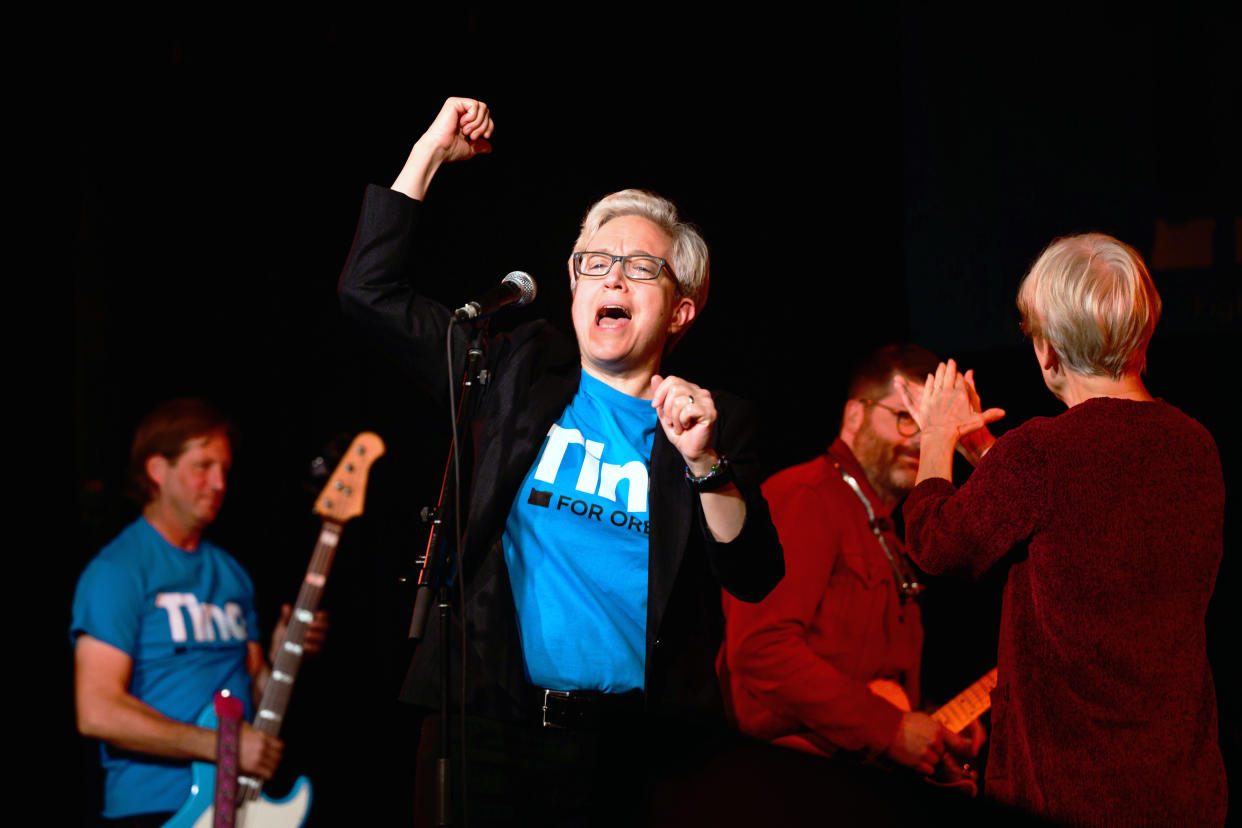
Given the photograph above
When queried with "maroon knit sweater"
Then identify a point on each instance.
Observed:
(1109, 518)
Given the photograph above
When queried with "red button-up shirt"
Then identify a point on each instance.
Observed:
(798, 663)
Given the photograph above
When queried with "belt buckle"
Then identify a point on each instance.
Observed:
(549, 694)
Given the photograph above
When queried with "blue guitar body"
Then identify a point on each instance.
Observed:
(264, 812)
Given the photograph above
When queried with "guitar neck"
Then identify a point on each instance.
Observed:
(271, 713)
(289, 657)
(968, 705)
(339, 501)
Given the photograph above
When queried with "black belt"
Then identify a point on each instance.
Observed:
(589, 709)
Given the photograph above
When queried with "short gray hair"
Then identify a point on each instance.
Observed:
(689, 260)
(1092, 299)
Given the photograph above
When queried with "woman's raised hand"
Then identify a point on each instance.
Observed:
(949, 404)
(459, 132)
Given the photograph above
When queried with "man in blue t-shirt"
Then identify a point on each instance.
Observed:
(163, 619)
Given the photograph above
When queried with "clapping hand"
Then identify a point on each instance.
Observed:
(949, 403)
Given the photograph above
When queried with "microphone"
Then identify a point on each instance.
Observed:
(516, 288)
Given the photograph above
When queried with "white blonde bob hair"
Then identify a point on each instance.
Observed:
(689, 261)
(1092, 299)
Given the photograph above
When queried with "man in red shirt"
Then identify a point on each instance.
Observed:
(827, 662)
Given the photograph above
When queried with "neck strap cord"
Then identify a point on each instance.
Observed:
(907, 584)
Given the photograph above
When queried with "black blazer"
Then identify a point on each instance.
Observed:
(536, 374)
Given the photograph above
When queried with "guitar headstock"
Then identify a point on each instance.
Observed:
(343, 497)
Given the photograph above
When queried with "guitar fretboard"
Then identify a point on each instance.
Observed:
(968, 705)
(279, 688)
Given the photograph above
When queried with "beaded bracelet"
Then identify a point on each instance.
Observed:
(720, 474)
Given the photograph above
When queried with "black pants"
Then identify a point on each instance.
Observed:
(532, 775)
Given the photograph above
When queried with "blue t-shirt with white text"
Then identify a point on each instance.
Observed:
(575, 543)
(184, 618)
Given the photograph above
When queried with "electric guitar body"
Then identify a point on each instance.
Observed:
(199, 810)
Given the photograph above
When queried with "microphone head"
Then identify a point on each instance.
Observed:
(524, 283)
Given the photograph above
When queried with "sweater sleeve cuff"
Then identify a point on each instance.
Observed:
(931, 487)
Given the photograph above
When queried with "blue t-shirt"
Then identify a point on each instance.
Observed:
(575, 543)
(184, 618)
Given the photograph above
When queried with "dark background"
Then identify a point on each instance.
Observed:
(861, 177)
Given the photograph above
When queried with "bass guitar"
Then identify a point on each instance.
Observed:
(340, 501)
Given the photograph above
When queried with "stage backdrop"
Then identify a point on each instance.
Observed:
(861, 178)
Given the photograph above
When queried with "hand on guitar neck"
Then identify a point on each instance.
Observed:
(313, 637)
(260, 752)
(307, 641)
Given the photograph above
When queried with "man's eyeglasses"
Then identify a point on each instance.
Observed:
(906, 424)
(595, 265)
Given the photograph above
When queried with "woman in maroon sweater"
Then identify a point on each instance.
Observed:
(1109, 519)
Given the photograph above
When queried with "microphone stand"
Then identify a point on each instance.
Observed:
(437, 566)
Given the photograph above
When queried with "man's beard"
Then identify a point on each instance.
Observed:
(880, 460)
